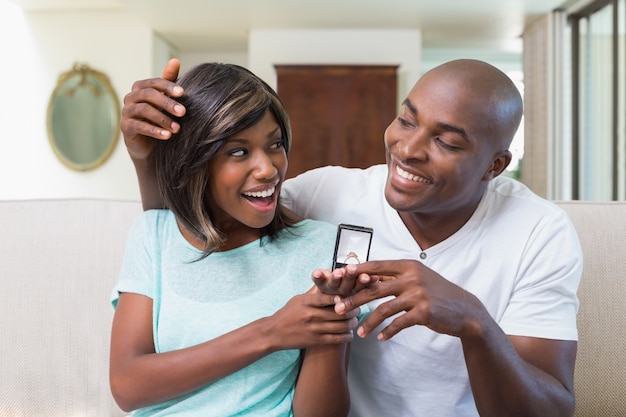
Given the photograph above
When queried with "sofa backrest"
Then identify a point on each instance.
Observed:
(59, 260)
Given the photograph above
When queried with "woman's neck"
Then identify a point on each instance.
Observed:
(233, 238)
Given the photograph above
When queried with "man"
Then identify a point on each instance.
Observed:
(473, 310)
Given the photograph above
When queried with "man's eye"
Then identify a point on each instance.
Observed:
(405, 122)
(447, 146)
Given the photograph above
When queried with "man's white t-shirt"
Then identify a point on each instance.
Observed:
(518, 253)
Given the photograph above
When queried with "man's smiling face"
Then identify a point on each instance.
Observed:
(437, 151)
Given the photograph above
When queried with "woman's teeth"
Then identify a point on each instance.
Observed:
(261, 194)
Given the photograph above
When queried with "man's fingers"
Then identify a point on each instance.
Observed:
(369, 293)
(173, 107)
(139, 127)
(390, 268)
(170, 72)
(381, 313)
(398, 324)
(153, 97)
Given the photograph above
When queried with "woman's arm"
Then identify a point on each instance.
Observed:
(140, 377)
(322, 387)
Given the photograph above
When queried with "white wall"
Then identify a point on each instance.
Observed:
(189, 59)
(379, 47)
(40, 46)
(35, 50)
(402, 47)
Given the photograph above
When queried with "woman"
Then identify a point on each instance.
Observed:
(206, 320)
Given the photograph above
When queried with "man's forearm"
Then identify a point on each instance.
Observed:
(505, 384)
(148, 187)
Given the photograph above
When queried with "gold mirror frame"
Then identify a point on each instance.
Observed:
(83, 118)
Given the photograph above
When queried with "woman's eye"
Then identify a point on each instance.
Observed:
(278, 144)
(237, 152)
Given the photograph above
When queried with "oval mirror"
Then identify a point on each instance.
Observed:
(83, 118)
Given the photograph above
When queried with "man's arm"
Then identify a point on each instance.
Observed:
(146, 116)
(517, 373)
(508, 375)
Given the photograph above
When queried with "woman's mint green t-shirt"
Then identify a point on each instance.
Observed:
(195, 301)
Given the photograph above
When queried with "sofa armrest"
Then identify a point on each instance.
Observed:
(600, 376)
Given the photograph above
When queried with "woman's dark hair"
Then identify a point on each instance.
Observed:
(221, 100)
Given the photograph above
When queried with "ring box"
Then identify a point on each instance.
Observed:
(352, 245)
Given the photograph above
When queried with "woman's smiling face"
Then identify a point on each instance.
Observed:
(245, 178)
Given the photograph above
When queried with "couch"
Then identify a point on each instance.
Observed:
(60, 258)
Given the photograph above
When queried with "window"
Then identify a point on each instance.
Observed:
(599, 101)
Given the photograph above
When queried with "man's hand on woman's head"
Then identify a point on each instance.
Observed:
(148, 111)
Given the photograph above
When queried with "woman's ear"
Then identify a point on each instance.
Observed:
(498, 165)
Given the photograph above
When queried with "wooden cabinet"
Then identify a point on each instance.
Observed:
(338, 113)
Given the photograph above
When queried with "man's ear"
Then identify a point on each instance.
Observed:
(500, 161)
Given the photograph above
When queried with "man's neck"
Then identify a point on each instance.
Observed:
(430, 229)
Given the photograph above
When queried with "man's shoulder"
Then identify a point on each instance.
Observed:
(516, 197)
(335, 181)
(334, 172)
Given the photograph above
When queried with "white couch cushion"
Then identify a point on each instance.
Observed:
(59, 260)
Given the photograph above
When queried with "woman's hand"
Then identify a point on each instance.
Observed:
(310, 320)
(342, 281)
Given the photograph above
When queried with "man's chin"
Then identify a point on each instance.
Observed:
(398, 200)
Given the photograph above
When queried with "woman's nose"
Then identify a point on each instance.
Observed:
(264, 167)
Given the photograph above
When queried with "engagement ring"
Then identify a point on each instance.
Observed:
(352, 258)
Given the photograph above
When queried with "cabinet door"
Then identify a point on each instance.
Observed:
(338, 113)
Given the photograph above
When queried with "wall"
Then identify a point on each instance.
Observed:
(267, 48)
(44, 45)
(40, 46)
(189, 59)
(403, 47)
(36, 49)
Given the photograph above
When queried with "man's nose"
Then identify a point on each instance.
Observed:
(413, 146)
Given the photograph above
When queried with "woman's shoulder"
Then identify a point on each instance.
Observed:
(154, 217)
(151, 220)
